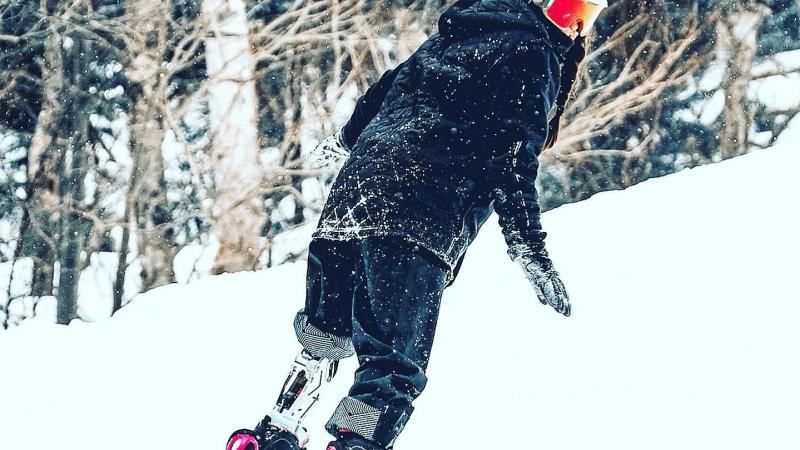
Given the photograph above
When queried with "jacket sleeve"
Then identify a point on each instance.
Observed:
(368, 105)
(569, 75)
(527, 85)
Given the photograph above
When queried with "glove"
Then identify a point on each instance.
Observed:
(328, 151)
(545, 280)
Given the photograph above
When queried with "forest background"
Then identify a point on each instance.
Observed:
(146, 142)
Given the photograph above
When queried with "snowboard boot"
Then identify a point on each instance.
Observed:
(265, 436)
(352, 441)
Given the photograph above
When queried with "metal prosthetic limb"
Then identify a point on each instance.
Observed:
(313, 368)
(307, 378)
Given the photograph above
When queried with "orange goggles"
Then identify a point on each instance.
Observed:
(570, 13)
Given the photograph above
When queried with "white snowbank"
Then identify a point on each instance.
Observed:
(684, 336)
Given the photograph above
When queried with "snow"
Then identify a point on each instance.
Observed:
(712, 108)
(791, 136)
(96, 285)
(195, 260)
(683, 336)
(779, 92)
(786, 61)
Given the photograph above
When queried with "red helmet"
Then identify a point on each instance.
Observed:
(569, 13)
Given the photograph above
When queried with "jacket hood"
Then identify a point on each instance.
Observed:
(472, 17)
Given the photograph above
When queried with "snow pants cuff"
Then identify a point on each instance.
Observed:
(378, 422)
(319, 343)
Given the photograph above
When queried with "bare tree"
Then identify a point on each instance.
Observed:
(60, 219)
(737, 41)
(238, 213)
(149, 41)
(651, 61)
(39, 227)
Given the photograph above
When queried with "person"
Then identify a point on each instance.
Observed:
(432, 148)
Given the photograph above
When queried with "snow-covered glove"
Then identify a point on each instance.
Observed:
(545, 280)
(328, 151)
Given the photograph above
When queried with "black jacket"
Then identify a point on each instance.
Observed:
(453, 133)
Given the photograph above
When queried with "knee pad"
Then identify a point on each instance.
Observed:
(319, 343)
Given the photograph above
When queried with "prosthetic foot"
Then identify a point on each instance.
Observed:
(313, 368)
(281, 429)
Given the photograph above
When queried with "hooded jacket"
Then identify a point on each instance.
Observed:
(452, 134)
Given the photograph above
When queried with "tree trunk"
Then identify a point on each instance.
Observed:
(122, 263)
(738, 35)
(238, 211)
(44, 155)
(14, 258)
(155, 230)
(147, 192)
(74, 228)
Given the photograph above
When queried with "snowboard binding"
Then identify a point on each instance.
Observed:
(281, 428)
(264, 437)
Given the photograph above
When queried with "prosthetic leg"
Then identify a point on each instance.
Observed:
(313, 368)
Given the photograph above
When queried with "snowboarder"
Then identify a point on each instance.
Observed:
(432, 148)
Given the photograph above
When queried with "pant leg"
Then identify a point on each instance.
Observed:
(325, 325)
(395, 308)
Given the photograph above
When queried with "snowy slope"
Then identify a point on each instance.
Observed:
(684, 336)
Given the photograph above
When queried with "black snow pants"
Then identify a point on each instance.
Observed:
(379, 296)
